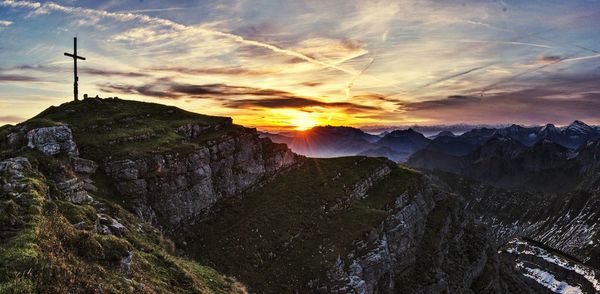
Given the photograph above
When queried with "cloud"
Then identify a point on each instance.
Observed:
(11, 119)
(234, 71)
(545, 59)
(224, 90)
(5, 23)
(17, 78)
(165, 28)
(86, 70)
(262, 98)
(529, 106)
(297, 102)
(101, 72)
(312, 84)
(425, 50)
(165, 88)
(144, 90)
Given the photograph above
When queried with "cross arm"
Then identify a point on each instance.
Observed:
(74, 56)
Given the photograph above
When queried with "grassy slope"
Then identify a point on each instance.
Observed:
(280, 234)
(42, 252)
(284, 223)
(96, 122)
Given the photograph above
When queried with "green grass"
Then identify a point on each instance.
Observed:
(285, 232)
(105, 127)
(41, 251)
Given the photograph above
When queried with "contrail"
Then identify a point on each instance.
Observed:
(455, 76)
(507, 43)
(278, 50)
(483, 24)
(572, 59)
(155, 10)
(534, 35)
(492, 86)
(127, 16)
(581, 58)
(351, 83)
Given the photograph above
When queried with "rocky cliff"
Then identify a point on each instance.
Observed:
(549, 238)
(111, 176)
(567, 222)
(427, 244)
(166, 165)
(174, 189)
(379, 228)
(60, 234)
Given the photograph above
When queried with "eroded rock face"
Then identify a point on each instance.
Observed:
(426, 245)
(564, 221)
(11, 172)
(360, 189)
(83, 166)
(176, 189)
(192, 131)
(391, 248)
(52, 140)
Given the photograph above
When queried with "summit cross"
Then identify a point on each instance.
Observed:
(76, 78)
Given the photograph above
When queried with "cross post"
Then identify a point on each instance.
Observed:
(76, 78)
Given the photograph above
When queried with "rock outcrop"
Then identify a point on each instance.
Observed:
(52, 140)
(176, 189)
(426, 245)
(389, 249)
(11, 172)
(551, 270)
(49, 245)
(567, 221)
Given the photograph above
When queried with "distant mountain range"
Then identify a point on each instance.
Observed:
(399, 145)
(537, 159)
(537, 189)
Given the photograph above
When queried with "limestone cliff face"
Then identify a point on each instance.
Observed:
(175, 189)
(390, 248)
(426, 245)
(52, 140)
(11, 171)
(66, 242)
(72, 180)
(566, 221)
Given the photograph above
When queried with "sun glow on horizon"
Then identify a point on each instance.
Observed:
(303, 121)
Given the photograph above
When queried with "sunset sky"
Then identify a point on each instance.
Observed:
(292, 64)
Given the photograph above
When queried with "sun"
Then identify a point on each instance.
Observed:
(303, 121)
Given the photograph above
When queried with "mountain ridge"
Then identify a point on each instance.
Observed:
(331, 141)
(171, 171)
(238, 205)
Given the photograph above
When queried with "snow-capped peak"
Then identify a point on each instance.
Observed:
(579, 127)
(548, 128)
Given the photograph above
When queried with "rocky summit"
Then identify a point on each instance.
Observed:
(118, 196)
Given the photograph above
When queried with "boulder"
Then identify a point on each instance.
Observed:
(52, 140)
(11, 173)
(73, 190)
(108, 225)
(83, 166)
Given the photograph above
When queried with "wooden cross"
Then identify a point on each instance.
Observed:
(75, 57)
